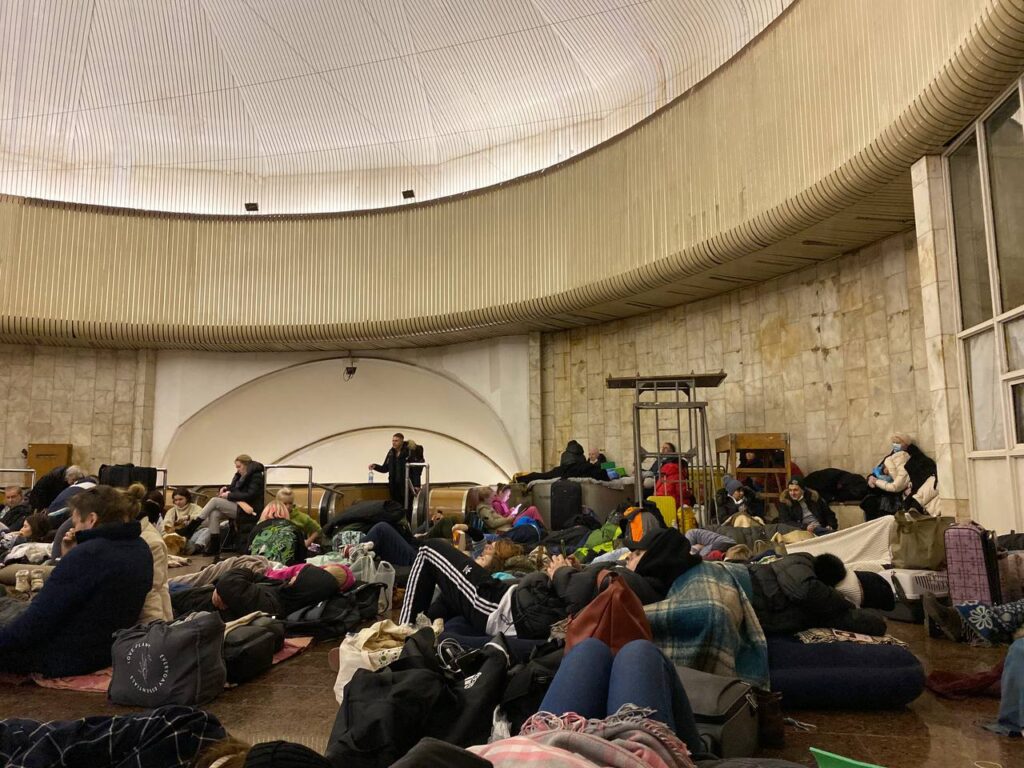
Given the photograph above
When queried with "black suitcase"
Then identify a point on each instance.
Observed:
(248, 652)
(123, 475)
(566, 503)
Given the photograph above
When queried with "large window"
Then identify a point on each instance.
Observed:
(972, 253)
(1005, 140)
(985, 170)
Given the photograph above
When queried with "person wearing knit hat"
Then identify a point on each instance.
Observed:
(735, 502)
(284, 754)
(800, 591)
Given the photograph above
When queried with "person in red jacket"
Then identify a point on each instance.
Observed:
(673, 481)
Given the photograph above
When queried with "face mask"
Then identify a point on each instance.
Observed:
(897, 447)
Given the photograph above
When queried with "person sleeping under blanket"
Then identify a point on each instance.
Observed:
(801, 591)
(240, 592)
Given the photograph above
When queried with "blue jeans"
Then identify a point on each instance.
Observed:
(1011, 706)
(594, 684)
(390, 545)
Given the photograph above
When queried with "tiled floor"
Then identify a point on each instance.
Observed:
(295, 701)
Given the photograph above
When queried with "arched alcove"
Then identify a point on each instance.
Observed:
(309, 413)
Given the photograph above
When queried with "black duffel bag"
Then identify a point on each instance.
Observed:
(249, 650)
(177, 663)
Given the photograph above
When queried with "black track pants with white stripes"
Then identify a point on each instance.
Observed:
(467, 590)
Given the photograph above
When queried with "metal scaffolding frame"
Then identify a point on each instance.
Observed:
(677, 413)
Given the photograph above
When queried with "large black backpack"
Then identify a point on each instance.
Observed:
(336, 616)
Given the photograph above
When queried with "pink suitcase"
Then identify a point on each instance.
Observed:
(971, 566)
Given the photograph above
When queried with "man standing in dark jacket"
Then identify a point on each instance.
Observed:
(801, 591)
(803, 508)
(394, 466)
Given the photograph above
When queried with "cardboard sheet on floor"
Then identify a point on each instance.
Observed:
(98, 682)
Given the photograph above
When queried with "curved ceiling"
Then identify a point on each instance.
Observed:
(309, 106)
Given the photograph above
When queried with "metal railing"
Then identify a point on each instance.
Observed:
(20, 471)
(411, 489)
(164, 484)
(309, 481)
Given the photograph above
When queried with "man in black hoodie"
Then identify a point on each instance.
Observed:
(573, 463)
(529, 608)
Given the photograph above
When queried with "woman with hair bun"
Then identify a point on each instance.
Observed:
(158, 601)
(97, 588)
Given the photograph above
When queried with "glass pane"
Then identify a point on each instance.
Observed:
(983, 391)
(1018, 411)
(1015, 344)
(1005, 140)
(969, 230)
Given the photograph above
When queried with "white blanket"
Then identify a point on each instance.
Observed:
(863, 547)
(619, 484)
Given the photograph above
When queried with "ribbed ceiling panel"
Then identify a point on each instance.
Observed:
(309, 106)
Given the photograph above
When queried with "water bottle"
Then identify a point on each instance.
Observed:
(369, 479)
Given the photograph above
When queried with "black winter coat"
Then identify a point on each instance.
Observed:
(96, 589)
(920, 466)
(14, 517)
(789, 598)
(47, 488)
(394, 466)
(792, 513)
(250, 487)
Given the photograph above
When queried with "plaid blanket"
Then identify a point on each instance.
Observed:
(707, 622)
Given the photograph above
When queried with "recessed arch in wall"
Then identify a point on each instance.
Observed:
(289, 412)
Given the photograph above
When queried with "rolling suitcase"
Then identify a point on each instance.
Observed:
(971, 567)
(566, 503)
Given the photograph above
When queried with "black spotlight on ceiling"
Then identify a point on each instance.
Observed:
(252, 207)
(408, 194)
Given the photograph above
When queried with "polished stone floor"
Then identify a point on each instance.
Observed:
(295, 701)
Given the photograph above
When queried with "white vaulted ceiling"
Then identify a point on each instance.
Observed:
(309, 106)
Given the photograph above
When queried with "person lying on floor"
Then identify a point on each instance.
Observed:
(34, 528)
(99, 587)
(974, 622)
(391, 546)
(801, 591)
(240, 592)
(529, 607)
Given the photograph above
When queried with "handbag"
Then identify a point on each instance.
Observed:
(726, 711)
(169, 663)
(615, 617)
(372, 648)
(918, 542)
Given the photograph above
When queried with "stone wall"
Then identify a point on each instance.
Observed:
(833, 354)
(100, 401)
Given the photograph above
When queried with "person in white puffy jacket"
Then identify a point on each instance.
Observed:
(908, 476)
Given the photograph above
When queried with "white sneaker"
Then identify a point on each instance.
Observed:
(22, 581)
(36, 581)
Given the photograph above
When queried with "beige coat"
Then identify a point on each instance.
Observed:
(158, 601)
(895, 465)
